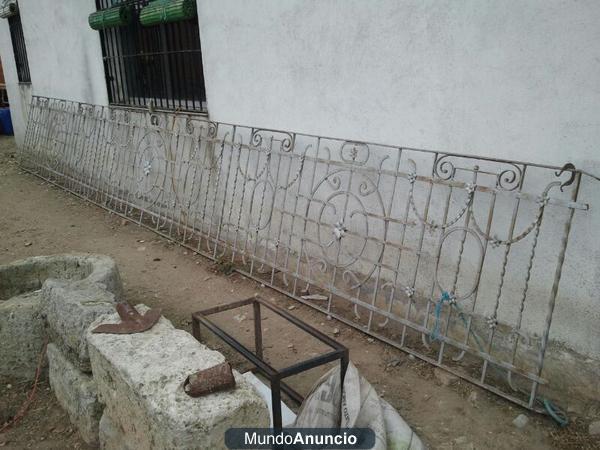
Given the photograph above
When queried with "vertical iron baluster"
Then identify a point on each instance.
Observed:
(236, 168)
(331, 283)
(304, 217)
(386, 225)
(555, 285)
(401, 244)
(502, 276)
(292, 212)
(458, 264)
(479, 272)
(420, 246)
(224, 201)
(253, 255)
(431, 299)
(242, 202)
(200, 157)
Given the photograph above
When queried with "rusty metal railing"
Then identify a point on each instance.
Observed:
(455, 259)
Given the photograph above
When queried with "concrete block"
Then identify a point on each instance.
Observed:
(140, 381)
(21, 335)
(76, 393)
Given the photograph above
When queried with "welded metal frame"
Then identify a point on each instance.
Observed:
(441, 255)
(275, 376)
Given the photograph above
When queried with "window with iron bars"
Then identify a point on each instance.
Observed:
(19, 50)
(157, 65)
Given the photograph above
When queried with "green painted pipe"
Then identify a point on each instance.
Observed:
(163, 11)
(111, 17)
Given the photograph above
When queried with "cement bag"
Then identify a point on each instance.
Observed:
(360, 407)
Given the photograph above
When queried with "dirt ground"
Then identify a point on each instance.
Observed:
(38, 219)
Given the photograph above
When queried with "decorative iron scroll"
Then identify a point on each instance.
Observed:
(436, 254)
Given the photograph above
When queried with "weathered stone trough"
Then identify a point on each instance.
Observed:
(120, 391)
(68, 290)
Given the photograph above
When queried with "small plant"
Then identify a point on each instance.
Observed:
(224, 266)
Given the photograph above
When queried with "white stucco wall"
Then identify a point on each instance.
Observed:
(489, 77)
(64, 53)
(515, 80)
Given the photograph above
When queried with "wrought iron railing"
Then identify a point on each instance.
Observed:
(455, 259)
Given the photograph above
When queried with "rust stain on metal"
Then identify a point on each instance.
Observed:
(215, 379)
(131, 321)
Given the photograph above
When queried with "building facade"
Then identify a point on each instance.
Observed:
(494, 78)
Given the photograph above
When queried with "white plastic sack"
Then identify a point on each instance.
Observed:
(361, 407)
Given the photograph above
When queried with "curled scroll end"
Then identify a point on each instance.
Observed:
(567, 167)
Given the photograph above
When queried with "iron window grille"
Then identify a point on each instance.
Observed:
(19, 50)
(157, 65)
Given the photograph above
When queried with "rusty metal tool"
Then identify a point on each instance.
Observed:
(214, 379)
(131, 321)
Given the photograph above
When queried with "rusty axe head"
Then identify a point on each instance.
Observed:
(131, 321)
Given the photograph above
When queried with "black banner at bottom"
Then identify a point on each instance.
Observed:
(300, 438)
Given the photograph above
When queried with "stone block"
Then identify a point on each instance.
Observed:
(70, 308)
(76, 393)
(21, 335)
(140, 380)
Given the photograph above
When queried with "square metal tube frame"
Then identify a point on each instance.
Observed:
(275, 376)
